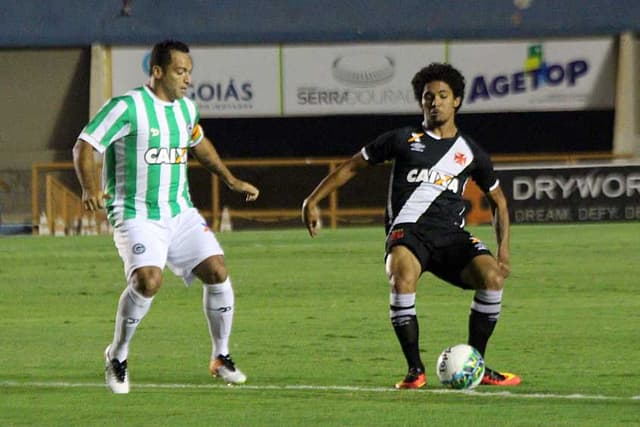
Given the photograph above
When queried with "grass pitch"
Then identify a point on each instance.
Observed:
(312, 333)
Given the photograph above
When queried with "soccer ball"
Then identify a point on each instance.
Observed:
(460, 367)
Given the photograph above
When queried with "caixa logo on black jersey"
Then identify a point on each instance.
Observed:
(448, 182)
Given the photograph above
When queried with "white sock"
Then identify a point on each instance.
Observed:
(132, 308)
(402, 305)
(488, 303)
(218, 301)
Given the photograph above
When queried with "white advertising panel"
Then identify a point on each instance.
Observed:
(242, 81)
(537, 75)
(354, 79)
(375, 78)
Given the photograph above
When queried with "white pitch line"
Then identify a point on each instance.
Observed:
(301, 387)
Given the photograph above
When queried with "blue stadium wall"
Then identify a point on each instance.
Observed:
(32, 23)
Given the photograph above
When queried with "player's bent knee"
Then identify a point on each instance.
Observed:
(402, 285)
(494, 280)
(212, 270)
(147, 280)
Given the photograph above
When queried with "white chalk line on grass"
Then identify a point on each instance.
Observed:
(301, 387)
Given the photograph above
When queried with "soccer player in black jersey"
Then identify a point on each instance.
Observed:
(425, 216)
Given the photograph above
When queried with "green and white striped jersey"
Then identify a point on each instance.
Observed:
(145, 142)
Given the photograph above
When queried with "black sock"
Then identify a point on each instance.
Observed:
(481, 327)
(407, 331)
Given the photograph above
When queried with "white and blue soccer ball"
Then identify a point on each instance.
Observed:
(460, 367)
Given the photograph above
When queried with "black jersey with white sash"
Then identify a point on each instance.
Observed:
(428, 176)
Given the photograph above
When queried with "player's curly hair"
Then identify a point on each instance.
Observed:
(161, 53)
(437, 71)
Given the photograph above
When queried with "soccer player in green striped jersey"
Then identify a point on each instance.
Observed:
(145, 137)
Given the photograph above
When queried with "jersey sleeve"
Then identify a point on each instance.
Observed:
(192, 116)
(381, 149)
(484, 174)
(196, 135)
(108, 125)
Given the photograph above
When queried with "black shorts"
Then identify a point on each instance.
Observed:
(445, 253)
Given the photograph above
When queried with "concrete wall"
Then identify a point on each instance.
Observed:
(45, 104)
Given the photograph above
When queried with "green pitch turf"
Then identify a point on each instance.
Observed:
(312, 333)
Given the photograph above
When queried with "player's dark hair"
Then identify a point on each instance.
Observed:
(437, 71)
(161, 53)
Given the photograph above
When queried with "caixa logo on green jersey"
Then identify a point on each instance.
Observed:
(165, 156)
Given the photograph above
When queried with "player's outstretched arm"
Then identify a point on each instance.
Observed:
(500, 212)
(208, 156)
(84, 164)
(336, 179)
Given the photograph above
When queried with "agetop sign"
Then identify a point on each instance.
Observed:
(226, 81)
(537, 75)
(572, 194)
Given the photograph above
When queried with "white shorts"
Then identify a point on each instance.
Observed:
(181, 243)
